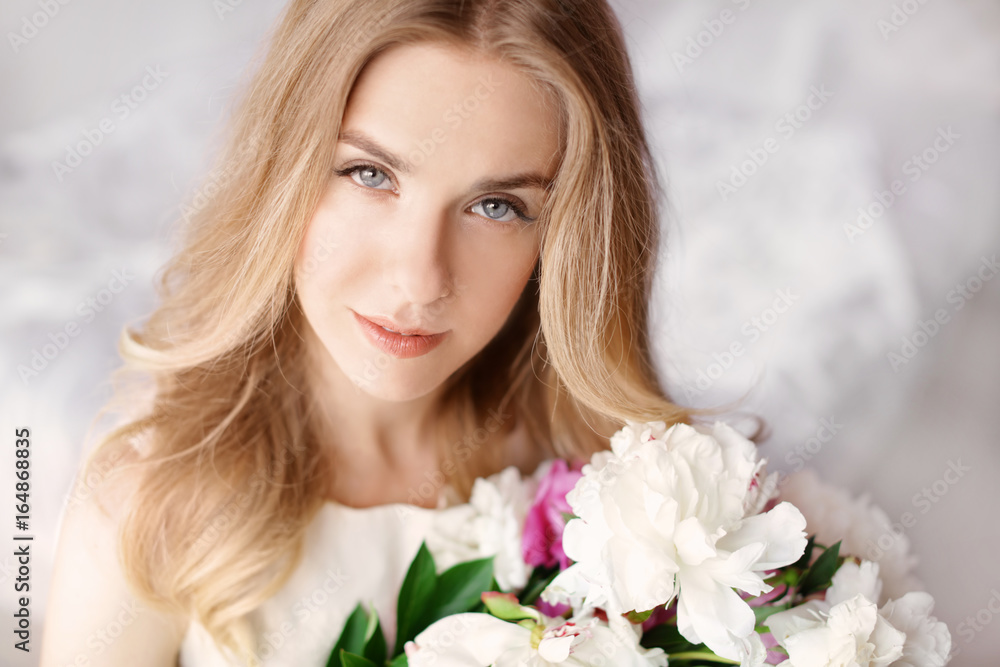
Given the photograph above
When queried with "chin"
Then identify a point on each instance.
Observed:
(395, 388)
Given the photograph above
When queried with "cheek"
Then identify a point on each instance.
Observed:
(493, 283)
(316, 255)
(328, 254)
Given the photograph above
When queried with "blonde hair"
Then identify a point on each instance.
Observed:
(231, 430)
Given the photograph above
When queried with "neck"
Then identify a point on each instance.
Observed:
(383, 433)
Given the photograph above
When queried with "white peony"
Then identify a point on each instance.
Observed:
(848, 629)
(843, 630)
(669, 512)
(465, 640)
(852, 579)
(490, 524)
(848, 634)
(833, 515)
(928, 641)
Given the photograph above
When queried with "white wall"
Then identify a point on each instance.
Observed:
(784, 229)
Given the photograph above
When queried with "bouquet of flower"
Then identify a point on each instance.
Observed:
(674, 545)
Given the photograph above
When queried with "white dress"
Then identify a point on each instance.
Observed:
(351, 554)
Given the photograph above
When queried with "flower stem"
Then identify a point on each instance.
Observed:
(698, 655)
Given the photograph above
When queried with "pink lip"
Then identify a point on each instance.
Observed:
(396, 344)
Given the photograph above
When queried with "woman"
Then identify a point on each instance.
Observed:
(428, 258)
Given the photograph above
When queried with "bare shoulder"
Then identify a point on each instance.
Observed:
(92, 617)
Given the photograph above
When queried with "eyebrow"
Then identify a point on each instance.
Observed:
(363, 142)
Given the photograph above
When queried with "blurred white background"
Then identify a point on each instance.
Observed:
(773, 123)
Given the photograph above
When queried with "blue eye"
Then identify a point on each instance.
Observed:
(499, 209)
(494, 209)
(369, 175)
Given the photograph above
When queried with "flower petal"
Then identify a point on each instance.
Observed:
(781, 530)
(713, 614)
(555, 649)
(463, 640)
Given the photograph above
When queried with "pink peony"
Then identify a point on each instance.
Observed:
(544, 524)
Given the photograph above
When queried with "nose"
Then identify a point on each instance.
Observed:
(417, 266)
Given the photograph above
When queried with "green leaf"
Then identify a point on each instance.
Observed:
(480, 608)
(786, 579)
(458, 589)
(700, 658)
(354, 660)
(637, 617)
(668, 638)
(352, 637)
(375, 648)
(412, 605)
(803, 562)
(399, 661)
(506, 607)
(764, 612)
(819, 575)
(540, 578)
(528, 623)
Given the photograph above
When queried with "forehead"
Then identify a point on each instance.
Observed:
(432, 102)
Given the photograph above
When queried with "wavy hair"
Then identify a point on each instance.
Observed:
(230, 469)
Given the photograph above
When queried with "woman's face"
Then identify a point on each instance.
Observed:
(427, 224)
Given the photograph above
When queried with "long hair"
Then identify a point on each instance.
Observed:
(230, 468)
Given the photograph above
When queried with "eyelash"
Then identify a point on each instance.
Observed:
(518, 210)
